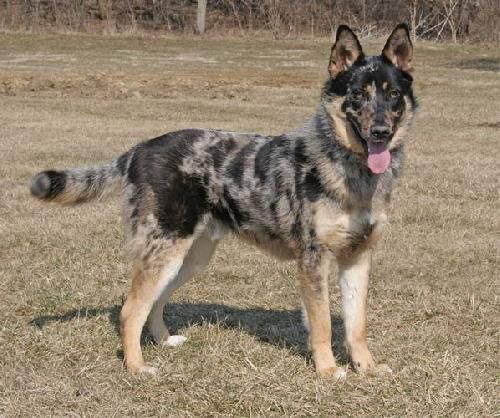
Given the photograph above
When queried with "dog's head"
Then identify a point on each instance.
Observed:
(370, 99)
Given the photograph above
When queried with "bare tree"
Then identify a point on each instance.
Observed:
(201, 16)
(81, 15)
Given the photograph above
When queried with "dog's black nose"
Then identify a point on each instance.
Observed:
(380, 132)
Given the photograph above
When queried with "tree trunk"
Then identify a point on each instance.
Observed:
(200, 16)
(28, 11)
(82, 15)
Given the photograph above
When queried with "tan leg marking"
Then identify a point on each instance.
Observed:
(149, 279)
(353, 279)
(314, 289)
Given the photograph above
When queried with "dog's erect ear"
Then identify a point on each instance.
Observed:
(398, 49)
(345, 51)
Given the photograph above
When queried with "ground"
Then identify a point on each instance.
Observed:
(433, 310)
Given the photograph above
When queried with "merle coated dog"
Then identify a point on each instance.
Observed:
(314, 195)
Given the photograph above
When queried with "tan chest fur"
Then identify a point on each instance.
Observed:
(347, 231)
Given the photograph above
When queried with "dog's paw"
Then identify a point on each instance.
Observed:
(143, 370)
(371, 368)
(148, 370)
(174, 341)
(362, 362)
(340, 373)
(334, 373)
(362, 367)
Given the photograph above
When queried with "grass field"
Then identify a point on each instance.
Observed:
(433, 310)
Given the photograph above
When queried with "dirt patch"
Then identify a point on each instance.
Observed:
(104, 85)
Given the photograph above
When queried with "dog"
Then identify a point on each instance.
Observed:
(315, 195)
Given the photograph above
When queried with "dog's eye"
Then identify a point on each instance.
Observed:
(394, 94)
(357, 94)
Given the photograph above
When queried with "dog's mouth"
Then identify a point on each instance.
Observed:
(379, 156)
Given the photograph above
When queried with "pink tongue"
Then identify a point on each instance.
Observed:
(379, 157)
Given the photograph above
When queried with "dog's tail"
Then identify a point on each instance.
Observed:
(81, 184)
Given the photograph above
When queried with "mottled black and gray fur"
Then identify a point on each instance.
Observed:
(300, 195)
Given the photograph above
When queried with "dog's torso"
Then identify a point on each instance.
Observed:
(284, 193)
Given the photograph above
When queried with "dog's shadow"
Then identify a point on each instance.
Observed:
(281, 328)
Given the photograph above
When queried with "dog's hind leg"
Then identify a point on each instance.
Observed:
(152, 272)
(197, 258)
(314, 272)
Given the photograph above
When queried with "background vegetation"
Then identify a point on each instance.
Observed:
(455, 20)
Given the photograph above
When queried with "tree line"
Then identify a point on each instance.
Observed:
(439, 20)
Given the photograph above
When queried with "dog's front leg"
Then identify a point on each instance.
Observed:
(353, 279)
(314, 272)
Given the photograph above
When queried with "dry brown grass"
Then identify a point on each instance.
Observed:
(433, 311)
